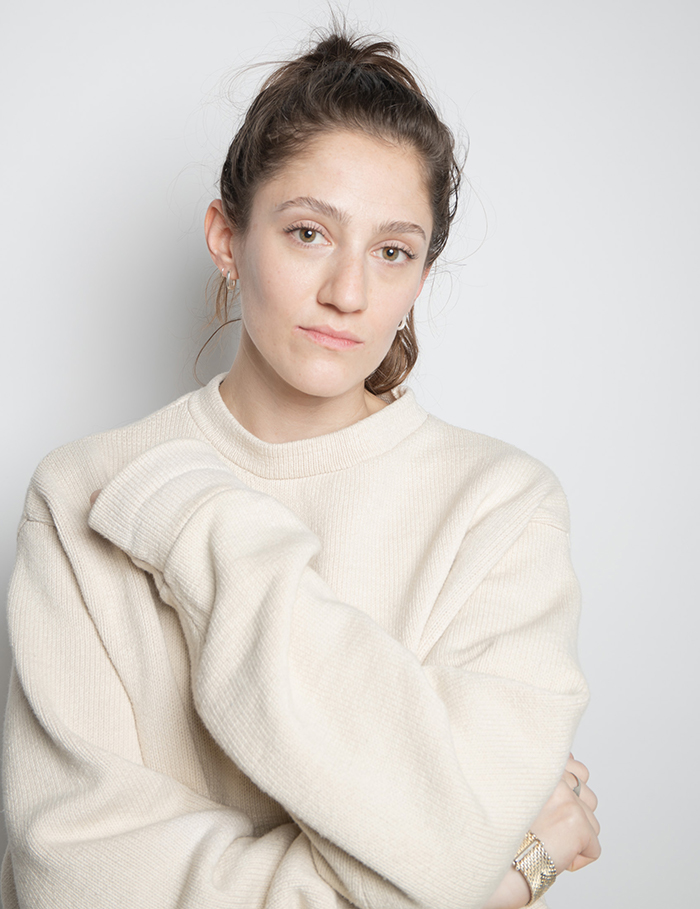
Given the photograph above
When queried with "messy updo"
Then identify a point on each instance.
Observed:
(351, 83)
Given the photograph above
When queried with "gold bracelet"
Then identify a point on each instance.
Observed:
(534, 863)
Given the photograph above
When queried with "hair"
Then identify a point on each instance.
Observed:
(353, 83)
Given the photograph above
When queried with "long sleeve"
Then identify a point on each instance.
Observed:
(92, 827)
(414, 778)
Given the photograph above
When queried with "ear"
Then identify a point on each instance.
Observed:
(219, 235)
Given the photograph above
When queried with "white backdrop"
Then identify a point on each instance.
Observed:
(572, 331)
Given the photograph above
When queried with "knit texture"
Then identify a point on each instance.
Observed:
(339, 670)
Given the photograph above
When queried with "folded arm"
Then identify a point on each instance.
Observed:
(89, 824)
(413, 780)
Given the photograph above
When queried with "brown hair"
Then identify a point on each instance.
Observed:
(351, 83)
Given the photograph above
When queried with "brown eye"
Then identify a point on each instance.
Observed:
(307, 234)
(391, 253)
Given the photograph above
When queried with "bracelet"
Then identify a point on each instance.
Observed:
(534, 863)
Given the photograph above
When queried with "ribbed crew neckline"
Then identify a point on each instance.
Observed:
(366, 439)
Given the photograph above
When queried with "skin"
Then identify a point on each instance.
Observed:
(568, 830)
(338, 241)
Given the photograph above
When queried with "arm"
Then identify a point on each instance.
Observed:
(394, 768)
(90, 825)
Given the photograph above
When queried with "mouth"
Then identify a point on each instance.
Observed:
(329, 337)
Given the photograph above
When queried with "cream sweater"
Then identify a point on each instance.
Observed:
(294, 675)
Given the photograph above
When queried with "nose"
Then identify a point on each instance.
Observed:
(344, 283)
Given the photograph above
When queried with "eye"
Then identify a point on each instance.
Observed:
(395, 253)
(308, 234)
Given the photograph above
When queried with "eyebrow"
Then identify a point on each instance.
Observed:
(330, 211)
(401, 227)
(323, 208)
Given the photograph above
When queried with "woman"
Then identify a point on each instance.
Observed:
(309, 646)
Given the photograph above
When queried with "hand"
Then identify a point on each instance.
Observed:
(568, 830)
(567, 826)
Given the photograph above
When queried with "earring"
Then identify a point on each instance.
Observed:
(403, 323)
(230, 282)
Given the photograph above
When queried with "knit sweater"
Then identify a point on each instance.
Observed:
(264, 676)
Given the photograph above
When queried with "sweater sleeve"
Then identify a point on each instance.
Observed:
(89, 825)
(413, 779)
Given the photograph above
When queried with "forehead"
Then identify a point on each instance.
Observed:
(357, 174)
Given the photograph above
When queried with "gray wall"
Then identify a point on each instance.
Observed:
(572, 331)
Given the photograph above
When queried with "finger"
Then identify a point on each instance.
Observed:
(580, 862)
(572, 780)
(93, 497)
(591, 849)
(591, 818)
(590, 853)
(586, 801)
(589, 797)
(585, 793)
(576, 767)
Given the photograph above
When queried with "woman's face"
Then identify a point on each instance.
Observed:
(332, 260)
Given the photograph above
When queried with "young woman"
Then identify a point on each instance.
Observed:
(310, 646)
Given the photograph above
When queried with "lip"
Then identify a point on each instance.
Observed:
(330, 337)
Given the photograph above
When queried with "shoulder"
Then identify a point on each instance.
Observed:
(491, 473)
(70, 473)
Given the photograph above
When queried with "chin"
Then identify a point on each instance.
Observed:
(327, 383)
(326, 389)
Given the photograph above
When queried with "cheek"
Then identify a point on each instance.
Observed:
(276, 282)
(393, 301)
(262, 296)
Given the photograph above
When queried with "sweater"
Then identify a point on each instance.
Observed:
(337, 671)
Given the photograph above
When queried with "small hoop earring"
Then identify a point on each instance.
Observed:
(403, 323)
(230, 282)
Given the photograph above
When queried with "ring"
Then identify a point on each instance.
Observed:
(577, 787)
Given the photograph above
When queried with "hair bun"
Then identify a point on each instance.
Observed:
(342, 49)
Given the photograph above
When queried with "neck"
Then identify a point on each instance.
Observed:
(274, 411)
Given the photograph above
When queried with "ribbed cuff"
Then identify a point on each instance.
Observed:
(144, 508)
